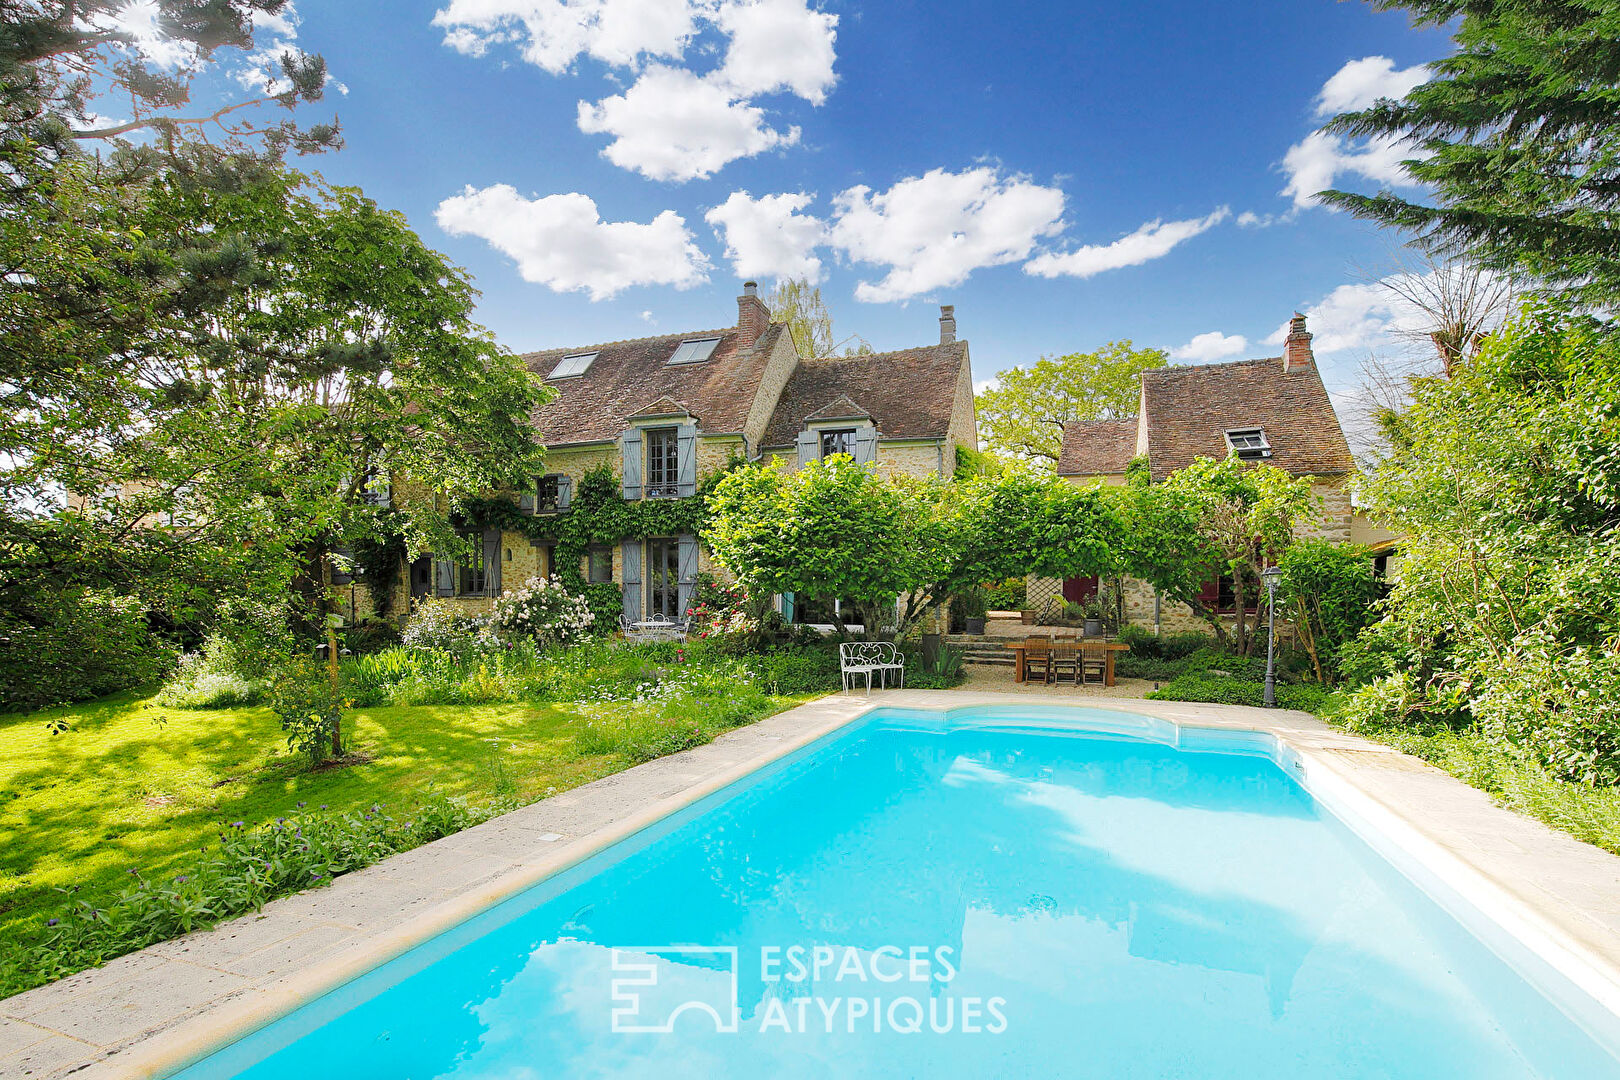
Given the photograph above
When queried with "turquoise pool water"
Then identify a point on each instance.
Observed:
(1039, 893)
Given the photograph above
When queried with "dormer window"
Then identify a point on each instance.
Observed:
(695, 351)
(840, 441)
(570, 366)
(1248, 443)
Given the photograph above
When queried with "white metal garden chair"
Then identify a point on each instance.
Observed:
(858, 658)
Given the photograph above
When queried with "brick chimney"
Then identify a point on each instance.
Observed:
(1297, 354)
(947, 323)
(753, 317)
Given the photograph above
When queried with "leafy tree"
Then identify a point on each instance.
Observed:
(1023, 417)
(798, 303)
(1210, 519)
(1518, 136)
(1502, 481)
(1330, 594)
(831, 528)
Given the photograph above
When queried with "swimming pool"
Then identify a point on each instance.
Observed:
(1000, 891)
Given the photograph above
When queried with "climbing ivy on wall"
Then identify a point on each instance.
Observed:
(599, 514)
(378, 560)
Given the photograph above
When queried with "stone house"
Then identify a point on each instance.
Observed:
(662, 412)
(1273, 410)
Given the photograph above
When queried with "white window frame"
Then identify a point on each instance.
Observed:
(582, 361)
(1250, 444)
(693, 351)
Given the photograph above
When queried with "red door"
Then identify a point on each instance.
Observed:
(1077, 590)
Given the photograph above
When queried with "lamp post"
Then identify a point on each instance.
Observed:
(1271, 575)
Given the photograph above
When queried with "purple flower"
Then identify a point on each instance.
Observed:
(52, 922)
(238, 824)
(181, 880)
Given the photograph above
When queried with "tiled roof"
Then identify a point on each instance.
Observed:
(844, 408)
(1190, 409)
(908, 393)
(1097, 447)
(636, 375)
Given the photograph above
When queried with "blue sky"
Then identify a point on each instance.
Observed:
(1108, 170)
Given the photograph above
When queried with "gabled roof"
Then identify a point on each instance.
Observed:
(593, 407)
(1189, 410)
(1097, 447)
(664, 406)
(844, 408)
(908, 393)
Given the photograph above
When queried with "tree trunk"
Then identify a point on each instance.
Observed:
(332, 673)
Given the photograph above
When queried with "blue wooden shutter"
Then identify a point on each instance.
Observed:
(444, 576)
(492, 562)
(686, 459)
(526, 499)
(686, 570)
(565, 491)
(865, 444)
(632, 464)
(809, 448)
(787, 607)
(630, 559)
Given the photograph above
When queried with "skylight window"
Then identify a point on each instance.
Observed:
(1248, 443)
(695, 351)
(570, 366)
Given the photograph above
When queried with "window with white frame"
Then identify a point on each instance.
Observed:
(1248, 443)
(570, 366)
(695, 351)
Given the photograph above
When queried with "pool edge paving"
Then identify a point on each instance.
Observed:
(157, 1010)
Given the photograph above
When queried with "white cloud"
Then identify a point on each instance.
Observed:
(140, 21)
(778, 45)
(1361, 82)
(554, 33)
(1153, 240)
(1314, 164)
(673, 125)
(1214, 345)
(932, 231)
(561, 241)
(1359, 316)
(770, 236)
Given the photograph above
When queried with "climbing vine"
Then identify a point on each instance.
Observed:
(378, 560)
(599, 514)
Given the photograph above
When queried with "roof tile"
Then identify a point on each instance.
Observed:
(908, 393)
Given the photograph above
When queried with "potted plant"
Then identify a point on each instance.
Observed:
(1093, 614)
(971, 605)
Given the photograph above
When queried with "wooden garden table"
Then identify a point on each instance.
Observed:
(1111, 648)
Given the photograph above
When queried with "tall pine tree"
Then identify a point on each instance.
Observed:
(1518, 134)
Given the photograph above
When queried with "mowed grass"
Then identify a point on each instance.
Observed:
(133, 785)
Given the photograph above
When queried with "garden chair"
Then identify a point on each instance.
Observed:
(864, 658)
(1038, 657)
(1065, 658)
(1093, 661)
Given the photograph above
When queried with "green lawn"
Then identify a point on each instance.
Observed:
(121, 790)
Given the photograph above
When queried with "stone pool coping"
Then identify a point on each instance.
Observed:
(153, 1012)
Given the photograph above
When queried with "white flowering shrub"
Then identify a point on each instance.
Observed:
(439, 625)
(544, 611)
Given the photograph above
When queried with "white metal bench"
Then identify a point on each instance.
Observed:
(857, 658)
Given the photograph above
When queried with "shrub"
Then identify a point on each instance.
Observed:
(75, 645)
(310, 708)
(370, 636)
(214, 678)
(1230, 691)
(1329, 591)
(797, 669)
(1145, 643)
(543, 611)
(251, 867)
(437, 624)
(1009, 595)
